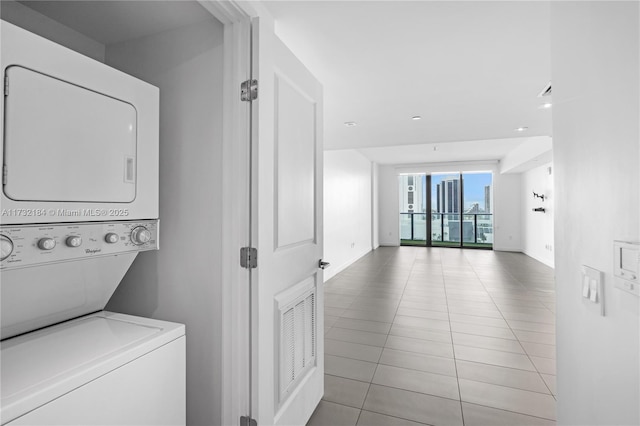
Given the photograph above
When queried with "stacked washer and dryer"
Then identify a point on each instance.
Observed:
(79, 202)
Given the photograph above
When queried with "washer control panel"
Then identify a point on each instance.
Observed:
(29, 245)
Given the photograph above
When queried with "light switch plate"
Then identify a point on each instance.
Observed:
(592, 288)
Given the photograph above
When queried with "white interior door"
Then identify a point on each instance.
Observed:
(287, 342)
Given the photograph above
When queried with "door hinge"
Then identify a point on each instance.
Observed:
(249, 90)
(247, 421)
(6, 85)
(249, 257)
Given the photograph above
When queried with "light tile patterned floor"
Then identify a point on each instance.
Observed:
(439, 336)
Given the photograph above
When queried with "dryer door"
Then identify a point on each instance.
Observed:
(64, 142)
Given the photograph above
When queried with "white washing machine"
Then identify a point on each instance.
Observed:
(79, 201)
(97, 369)
(103, 368)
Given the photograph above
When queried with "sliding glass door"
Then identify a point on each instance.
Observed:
(445, 209)
(413, 209)
(455, 213)
(477, 220)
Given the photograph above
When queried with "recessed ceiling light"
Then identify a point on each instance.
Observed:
(416, 117)
(350, 123)
(545, 106)
(521, 129)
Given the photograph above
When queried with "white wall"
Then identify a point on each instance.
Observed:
(524, 156)
(182, 281)
(347, 208)
(375, 206)
(537, 227)
(507, 210)
(595, 72)
(388, 208)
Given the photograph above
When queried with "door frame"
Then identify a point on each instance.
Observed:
(240, 203)
(236, 17)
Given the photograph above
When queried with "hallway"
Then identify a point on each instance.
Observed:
(440, 337)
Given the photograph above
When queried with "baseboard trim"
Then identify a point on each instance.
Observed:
(335, 270)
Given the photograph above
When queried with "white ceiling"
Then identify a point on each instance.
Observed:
(114, 21)
(442, 152)
(472, 70)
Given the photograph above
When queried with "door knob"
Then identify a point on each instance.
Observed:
(323, 265)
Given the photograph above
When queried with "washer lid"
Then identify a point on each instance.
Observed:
(31, 360)
(43, 365)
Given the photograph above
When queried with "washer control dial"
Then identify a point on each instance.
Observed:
(7, 247)
(140, 235)
(111, 238)
(74, 241)
(47, 243)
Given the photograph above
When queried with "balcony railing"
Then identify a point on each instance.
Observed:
(477, 229)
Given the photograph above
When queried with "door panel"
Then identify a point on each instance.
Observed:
(295, 144)
(287, 344)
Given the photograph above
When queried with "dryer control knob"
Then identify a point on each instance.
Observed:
(140, 235)
(111, 238)
(7, 246)
(74, 241)
(47, 243)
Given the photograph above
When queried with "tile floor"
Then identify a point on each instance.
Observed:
(439, 336)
